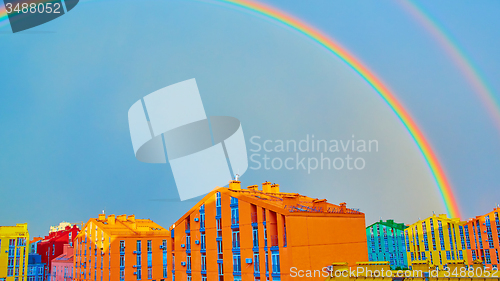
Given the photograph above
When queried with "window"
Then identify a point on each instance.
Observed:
(256, 263)
(236, 239)
(236, 263)
(122, 246)
(138, 260)
(138, 245)
(203, 262)
(219, 227)
(122, 260)
(188, 262)
(255, 235)
(267, 263)
(139, 273)
(488, 257)
(217, 199)
(202, 220)
(235, 218)
(203, 241)
(188, 242)
(150, 273)
(220, 271)
(149, 245)
(276, 262)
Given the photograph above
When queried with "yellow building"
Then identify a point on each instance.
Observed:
(438, 240)
(14, 250)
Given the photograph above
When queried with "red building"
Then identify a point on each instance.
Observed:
(482, 236)
(62, 266)
(52, 246)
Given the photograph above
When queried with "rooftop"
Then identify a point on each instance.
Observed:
(124, 225)
(280, 202)
(391, 224)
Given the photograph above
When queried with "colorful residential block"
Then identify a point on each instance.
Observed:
(34, 244)
(14, 250)
(386, 242)
(62, 266)
(482, 235)
(250, 234)
(118, 248)
(53, 246)
(35, 267)
(437, 239)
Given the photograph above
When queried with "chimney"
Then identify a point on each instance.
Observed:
(266, 187)
(290, 200)
(235, 185)
(275, 188)
(131, 219)
(111, 220)
(320, 204)
(121, 218)
(253, 187)
(101, 217)
(343, 207)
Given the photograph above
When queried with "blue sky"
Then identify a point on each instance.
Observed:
(67, 86)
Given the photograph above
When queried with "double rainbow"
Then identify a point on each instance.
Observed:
(430, 157)
(382, 90)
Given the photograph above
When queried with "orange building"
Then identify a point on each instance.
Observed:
(482, 236)
(120, 248)
(252, 234)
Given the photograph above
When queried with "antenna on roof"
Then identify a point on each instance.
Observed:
(236, 177)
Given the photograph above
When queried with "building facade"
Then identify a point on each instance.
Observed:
(252, 234)
(482, 235)
(62, 266)
(14, 250)
(52, 246)
(118, 248)
(386, 242)
(35, 267)
(34, 244)
(438, 239)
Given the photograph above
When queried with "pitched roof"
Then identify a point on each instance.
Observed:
(284, 203)
(124, 225)
(391, 224)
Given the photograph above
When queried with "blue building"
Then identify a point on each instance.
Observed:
(386, 242)
(35, 268)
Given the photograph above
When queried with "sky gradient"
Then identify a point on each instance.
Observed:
(68, 85)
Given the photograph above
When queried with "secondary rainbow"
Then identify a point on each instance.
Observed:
(458, 56)
(430, 157)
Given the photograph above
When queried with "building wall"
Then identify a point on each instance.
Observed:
(387, 243)
(483, 238)
(14, 251)
(99, 252)
(35, 268)
(53, 245)
(62, 266)
(445, 239)
(312, 240)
